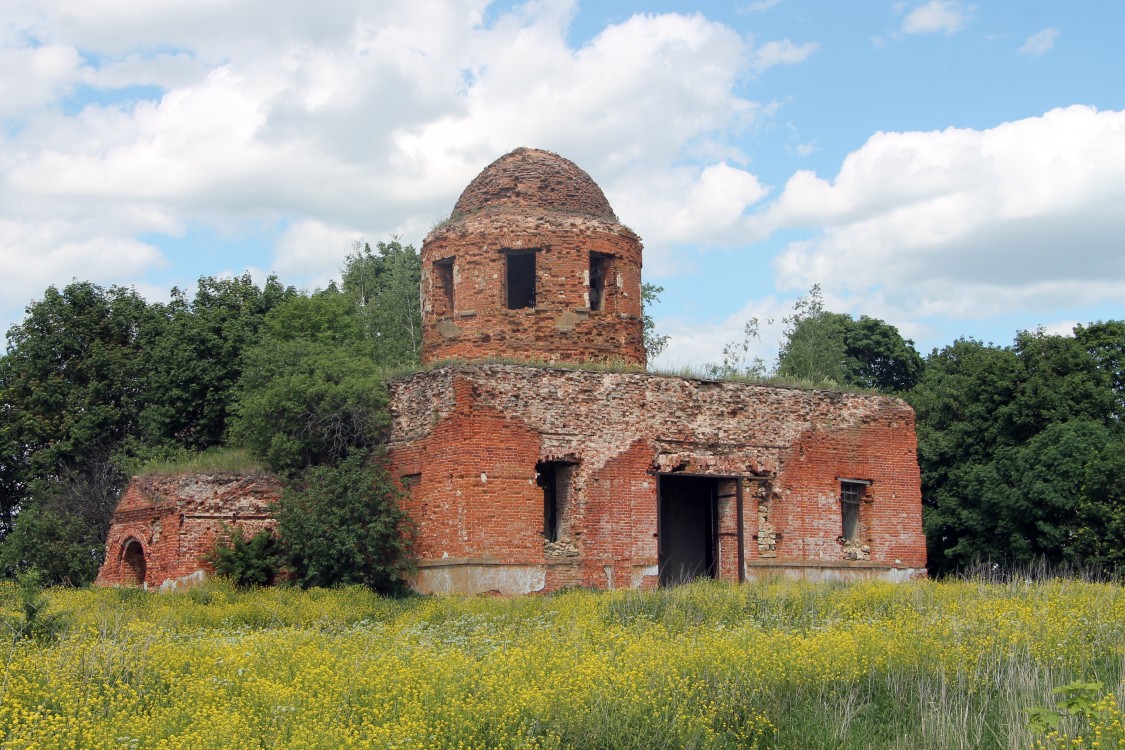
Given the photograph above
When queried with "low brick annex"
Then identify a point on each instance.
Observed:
(165, 525)
(645, 473)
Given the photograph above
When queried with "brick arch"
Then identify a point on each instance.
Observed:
(134, 565)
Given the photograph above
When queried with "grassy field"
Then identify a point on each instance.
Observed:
(776, 664)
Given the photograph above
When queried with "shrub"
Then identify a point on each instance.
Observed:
(247, 563)
(342, 524)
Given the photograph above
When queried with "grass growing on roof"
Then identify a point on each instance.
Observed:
(216, 460)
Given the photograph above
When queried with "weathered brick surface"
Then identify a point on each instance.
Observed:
(529, 179)
(472, 460)
(466, 439)
(531, 200)
(175, 520)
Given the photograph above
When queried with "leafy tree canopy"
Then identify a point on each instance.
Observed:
(195, 357)
(654, 343)
(384, 284)
(1015, 444)
(310, 391)
(823, 346)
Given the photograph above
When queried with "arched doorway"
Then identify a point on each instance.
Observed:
(133, 563)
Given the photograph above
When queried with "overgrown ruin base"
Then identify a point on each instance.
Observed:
(525, 479)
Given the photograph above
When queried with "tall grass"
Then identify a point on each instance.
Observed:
(775, 664)
(215, 460)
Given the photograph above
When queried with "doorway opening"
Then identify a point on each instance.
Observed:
(133, 567)
(688, 528)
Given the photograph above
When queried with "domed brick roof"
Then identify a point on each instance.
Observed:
(529, 179)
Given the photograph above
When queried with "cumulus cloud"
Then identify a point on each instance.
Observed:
(345, 118)
(311, 250)
(687, 205)
(936, 15)
(1039, 43)
(694, 344)
(965, 223)
(783, 52)
(757, 6)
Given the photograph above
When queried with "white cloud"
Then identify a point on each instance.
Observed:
(30, 77)
(1061, 328)
(965, 223)
(937, 15)
(695, 344)
(314, 251)
(758, 6)
(782, 52)
(805, 149)
(1039, 43)
(35, 255)
(686, 205)
(344, 119)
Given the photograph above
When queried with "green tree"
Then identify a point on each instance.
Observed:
(71, 389)
(57, 546)
(247, 562)
(1015, 445)
(823, 346)
(310, 392)
(343, 524)
(313, 403)
(1105, 342)
(654, 342)
(385, 285)
(814, 349)
(1100, 537)
(194, 358)
(877, 356)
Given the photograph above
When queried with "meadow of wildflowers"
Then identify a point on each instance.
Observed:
(775, 664)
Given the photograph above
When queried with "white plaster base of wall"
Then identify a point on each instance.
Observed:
(482, 576)
(830, 571)
(478, 578)
(184, 582)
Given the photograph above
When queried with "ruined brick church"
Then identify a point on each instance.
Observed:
(538, 474)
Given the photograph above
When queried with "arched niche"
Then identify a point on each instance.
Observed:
(133, 566)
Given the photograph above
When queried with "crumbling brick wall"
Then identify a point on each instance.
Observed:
(472, 455)
(173, 521)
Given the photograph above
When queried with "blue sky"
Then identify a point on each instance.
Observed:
(955, 168)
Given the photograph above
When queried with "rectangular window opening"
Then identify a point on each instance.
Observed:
(443, 279)
(521, 279)
(599, 270)
(553, 477)
(851, 493)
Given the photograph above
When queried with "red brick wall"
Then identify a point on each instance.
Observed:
(467, 440)
(531, 200)
(561, 327)
(454, 423)
(475, 493)
(177, 519)
(528, 179)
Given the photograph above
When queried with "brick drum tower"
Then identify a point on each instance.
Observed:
(532, 265)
